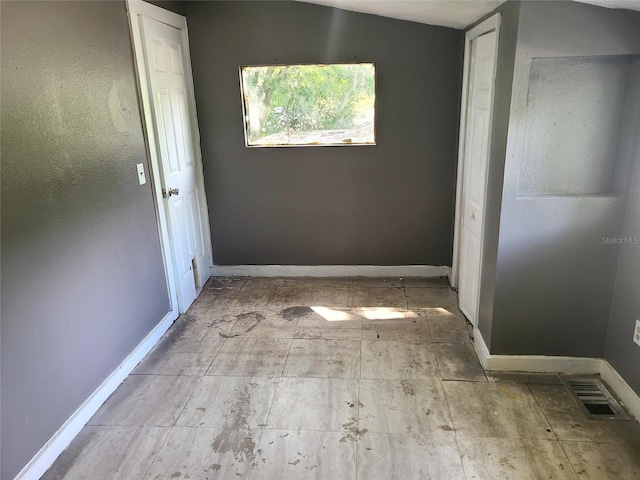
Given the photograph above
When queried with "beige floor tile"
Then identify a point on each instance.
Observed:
(251, 357)
(187, 348)
(262, 323)
(483, 409)
(433, 282)
(314, 404)
(226, 402)
(270, 282)
(450, 311)
(206, 454)
(398, 360)
(569, 423)
(265, 294)
(448, 328)
(329, 323)
(297, 282)
(388, 297)
(214, 299)
(386, 456)
(187, 332)
(321, 296)
(315, 282)
(147, 400)
(511, 459)
(226, 283)
(108, 453)
(160, 362)
(302, 455)
(214, 312)
(458, 362)
(602, 461)
(323, 358)
(403, 406)
(396, 282)
(531, 378)
(288, 292)
(398, 325)
(420, 297)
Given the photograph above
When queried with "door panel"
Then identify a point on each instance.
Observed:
(474, 176)
(172, 115)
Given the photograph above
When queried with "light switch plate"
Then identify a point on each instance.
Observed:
(141, 178)
(636, 333)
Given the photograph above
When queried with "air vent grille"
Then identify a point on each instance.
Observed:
(594, 399)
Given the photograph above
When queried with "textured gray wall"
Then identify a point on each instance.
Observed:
(620, 351)
(389, 204)
(82, 273)
(554, 275)
(509, 19)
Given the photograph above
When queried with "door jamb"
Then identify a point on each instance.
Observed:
(490, 24)
(135, 8)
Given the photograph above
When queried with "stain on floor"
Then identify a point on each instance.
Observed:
(295, 313)
(245, 322)
(235, 436)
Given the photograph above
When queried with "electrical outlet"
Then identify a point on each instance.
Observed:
(636, 333)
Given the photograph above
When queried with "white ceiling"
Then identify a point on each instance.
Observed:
(447, 13)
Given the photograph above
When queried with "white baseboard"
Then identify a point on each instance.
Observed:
(533, 363)
(621, 389)
(451, 279)
(559, 365)
(330, 271)
(481, 347)
(60, 440)
(543, 364)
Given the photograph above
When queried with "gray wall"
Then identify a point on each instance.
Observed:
(555, 277)
(620, 351)
(509, 19)
(389, 204)
(82, 273)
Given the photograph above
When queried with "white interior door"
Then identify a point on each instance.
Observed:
(474, 170)
(166, 86)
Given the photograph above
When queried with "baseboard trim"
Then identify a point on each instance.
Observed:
(543, 364)
(481, 347)
(533, 363)
(60, 440)
(562, 366)
(622, 390)
(330, 271)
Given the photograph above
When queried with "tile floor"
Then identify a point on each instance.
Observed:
(337, 379)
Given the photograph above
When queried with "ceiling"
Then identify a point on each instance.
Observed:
(447, 13)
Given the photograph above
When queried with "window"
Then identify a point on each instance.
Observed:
(288, 105)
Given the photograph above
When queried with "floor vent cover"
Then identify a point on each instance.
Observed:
(594, 398)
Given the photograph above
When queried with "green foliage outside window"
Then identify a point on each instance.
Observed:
(309, 104)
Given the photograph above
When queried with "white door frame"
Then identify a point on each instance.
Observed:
(489, 25)
(135, 9)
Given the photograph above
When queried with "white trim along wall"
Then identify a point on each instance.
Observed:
(60, 440)
(330, 271)
(559, 365)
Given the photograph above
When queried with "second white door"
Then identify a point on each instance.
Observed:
(474, 173)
